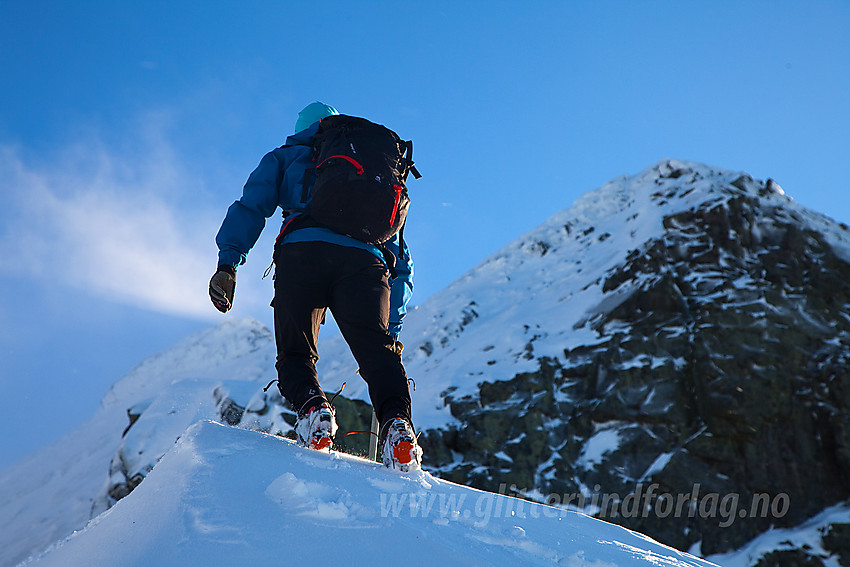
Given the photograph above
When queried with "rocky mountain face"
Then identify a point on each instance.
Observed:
(719, 377)
(669, 354)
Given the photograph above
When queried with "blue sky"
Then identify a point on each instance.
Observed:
(126, 129)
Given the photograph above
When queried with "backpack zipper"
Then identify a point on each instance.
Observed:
(350, 160)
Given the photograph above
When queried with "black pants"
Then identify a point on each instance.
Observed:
(311, 277)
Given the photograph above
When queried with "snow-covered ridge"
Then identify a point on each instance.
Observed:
(225, 496)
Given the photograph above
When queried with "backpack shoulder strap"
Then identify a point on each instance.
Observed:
(309, 172)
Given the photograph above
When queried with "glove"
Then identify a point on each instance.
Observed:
(222, 287)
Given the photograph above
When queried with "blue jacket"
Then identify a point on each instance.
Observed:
(277, 182)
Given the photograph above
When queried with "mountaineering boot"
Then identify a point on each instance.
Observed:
(316, 426)
(398, 445)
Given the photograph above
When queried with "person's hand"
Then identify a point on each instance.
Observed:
(222, 287)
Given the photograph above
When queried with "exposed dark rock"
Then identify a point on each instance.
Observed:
(789, 558)
(837, 541)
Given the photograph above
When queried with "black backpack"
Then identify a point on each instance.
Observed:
(360, 173)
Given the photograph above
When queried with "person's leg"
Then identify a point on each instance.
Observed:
(360, 305)
(299, 306)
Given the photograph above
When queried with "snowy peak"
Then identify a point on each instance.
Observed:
(230, 496)
(535, 297)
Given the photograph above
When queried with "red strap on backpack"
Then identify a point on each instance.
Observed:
(352, 161)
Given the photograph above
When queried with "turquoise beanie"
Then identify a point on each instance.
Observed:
(312, 113)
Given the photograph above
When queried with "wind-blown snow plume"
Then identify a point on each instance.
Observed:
(110, 224)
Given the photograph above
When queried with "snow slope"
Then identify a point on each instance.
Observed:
(50, 493)
(226, 496)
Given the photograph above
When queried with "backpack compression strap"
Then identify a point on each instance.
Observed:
(408, 155)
